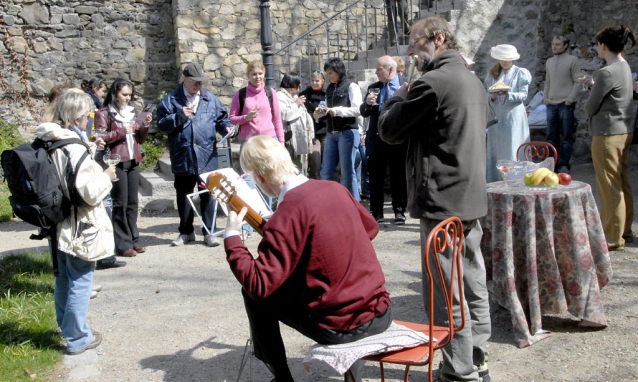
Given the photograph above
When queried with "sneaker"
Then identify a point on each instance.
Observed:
(484, 373)
(97, 288)
(379, 219)
(399, 218)
(183, 239)
(211, 241)
(93, 294)
(97, 340)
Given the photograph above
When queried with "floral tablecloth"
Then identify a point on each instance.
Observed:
(545, 252)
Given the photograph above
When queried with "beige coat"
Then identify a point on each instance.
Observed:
(93, 185)
(296, 119)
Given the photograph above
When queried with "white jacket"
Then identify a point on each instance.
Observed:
(93, 185)
(296, 119)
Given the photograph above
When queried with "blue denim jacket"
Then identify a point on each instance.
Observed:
(192, 141)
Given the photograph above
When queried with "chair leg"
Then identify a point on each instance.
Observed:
(406, 376)
(248, 350)
(382, 372)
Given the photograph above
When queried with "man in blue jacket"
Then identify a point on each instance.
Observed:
(191, 116)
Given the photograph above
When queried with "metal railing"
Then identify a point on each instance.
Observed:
(347, 35)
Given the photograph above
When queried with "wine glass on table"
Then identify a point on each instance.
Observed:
(112, 160)
(503, 166)
(375, 92)
(99, 134)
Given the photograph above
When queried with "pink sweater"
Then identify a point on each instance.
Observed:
(267, 122)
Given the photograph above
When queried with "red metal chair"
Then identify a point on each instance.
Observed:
(537, 150)
(447, 236)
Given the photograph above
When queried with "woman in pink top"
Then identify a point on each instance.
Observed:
(257, 117)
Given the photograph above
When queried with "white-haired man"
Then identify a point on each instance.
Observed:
(316, 272)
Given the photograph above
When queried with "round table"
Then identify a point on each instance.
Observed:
(546, 253)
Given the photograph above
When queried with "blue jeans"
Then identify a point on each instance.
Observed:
(560, 131)
(361, 167)
(72, 294)
(342, 147)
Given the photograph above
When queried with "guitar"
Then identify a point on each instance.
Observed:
(222, 190)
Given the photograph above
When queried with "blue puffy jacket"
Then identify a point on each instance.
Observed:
(192, 141)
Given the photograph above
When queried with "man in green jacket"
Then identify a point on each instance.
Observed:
(443, 118)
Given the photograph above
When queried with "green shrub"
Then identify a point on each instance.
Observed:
(152, 150)
(10, 137)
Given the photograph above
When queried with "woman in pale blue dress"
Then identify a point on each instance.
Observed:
(512, 129)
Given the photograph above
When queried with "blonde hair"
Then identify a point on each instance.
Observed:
(400, 63)
(71, 105)
(264, 156)
(254, 64)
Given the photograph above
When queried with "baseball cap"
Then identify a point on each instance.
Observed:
(194, 72)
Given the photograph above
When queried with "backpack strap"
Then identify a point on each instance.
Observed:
(242, 99)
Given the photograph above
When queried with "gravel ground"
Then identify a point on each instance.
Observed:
(176, 314)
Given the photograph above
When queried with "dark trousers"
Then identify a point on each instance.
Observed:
(314, 157)
(385, 155)
(184, 185)
(264, 317)
(560, 131)
(125, 205)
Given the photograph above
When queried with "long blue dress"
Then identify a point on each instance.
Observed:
(512, 129)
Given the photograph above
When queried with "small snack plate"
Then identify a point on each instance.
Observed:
(496, 90)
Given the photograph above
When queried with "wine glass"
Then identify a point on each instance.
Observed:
(504, 167)
(112, 160)
(99, 133)
(375, 92)
(582, 77)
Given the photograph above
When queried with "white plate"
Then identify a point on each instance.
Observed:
(499, 90)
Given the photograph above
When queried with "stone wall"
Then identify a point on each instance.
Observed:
(68, 41)
(147, 41)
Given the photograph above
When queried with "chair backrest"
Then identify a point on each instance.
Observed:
(537, 150)
(447, 237)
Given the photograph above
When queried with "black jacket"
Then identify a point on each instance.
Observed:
(312, 101)
(371, 112)
(337, 95)
(443, 119)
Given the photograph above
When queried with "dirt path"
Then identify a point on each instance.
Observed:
(176, 314)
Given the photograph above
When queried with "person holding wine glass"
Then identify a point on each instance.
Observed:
(343, 99)
(124, 135)
(609, 109)
(69, 248)
(380, 154)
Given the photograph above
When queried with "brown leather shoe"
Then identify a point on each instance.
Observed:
(140, 249)
(128, 253)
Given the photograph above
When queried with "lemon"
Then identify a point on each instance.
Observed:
(551, 179)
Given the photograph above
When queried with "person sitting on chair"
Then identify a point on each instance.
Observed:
(332, 291)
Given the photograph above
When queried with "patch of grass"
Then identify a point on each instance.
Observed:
(9, 138)
(28, 328)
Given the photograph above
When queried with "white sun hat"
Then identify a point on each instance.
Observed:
(504, 52)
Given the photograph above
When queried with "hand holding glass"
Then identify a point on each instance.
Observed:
(584, 79)
(112, 160)
(99, 134)
(375, 92)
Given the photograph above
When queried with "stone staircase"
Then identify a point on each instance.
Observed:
(157, 192)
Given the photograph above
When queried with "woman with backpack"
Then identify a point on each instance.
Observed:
(85, 235)
(124, 135)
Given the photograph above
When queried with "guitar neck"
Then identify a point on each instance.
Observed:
(252, 217)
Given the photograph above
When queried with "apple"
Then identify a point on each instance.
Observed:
(527, 179)
(551, 179)
(564, 178)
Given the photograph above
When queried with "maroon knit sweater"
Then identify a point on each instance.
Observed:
(322, 237)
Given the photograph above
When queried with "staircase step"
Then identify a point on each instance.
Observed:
(165, 168)
(156, 183)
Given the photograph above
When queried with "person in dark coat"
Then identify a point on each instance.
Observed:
(191, 116)
(442, 118)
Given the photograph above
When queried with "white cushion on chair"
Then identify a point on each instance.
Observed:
(341, 357)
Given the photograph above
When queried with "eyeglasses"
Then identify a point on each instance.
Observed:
(417, 39)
